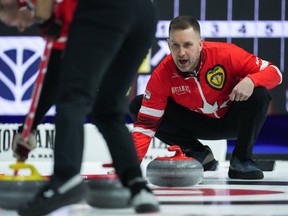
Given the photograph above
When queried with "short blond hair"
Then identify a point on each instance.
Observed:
(184, 22)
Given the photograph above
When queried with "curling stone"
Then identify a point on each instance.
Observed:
(17, 190)
(175, 171)
(106, 191)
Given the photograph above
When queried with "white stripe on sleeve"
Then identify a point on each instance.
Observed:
(147, 132)
(151, 112)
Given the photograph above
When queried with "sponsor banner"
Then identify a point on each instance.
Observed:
(45, 142)
(19, 64)
(95, 146)
(95, 149)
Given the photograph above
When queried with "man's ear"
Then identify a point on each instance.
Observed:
(201, 44)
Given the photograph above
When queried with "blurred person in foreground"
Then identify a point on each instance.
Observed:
(107, 42)
(21, 14)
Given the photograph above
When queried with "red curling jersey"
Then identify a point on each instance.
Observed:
(222, 66)
(63, 12)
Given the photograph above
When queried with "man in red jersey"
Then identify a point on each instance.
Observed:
(205, 90)
(22, 15)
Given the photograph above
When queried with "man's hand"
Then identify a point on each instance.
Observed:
(20, 148)
(243, 90)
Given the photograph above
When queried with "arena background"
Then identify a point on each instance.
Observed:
(259, 26)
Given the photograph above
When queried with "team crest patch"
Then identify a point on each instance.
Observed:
(216, 77)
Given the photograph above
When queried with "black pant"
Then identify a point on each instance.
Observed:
(107, 42)
(49, 92)
(243, 122)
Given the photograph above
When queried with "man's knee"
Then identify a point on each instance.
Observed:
(135, 106)
(261, 97)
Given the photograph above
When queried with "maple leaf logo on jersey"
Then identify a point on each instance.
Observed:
(216, 77)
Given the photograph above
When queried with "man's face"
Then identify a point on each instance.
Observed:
(185, 46)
